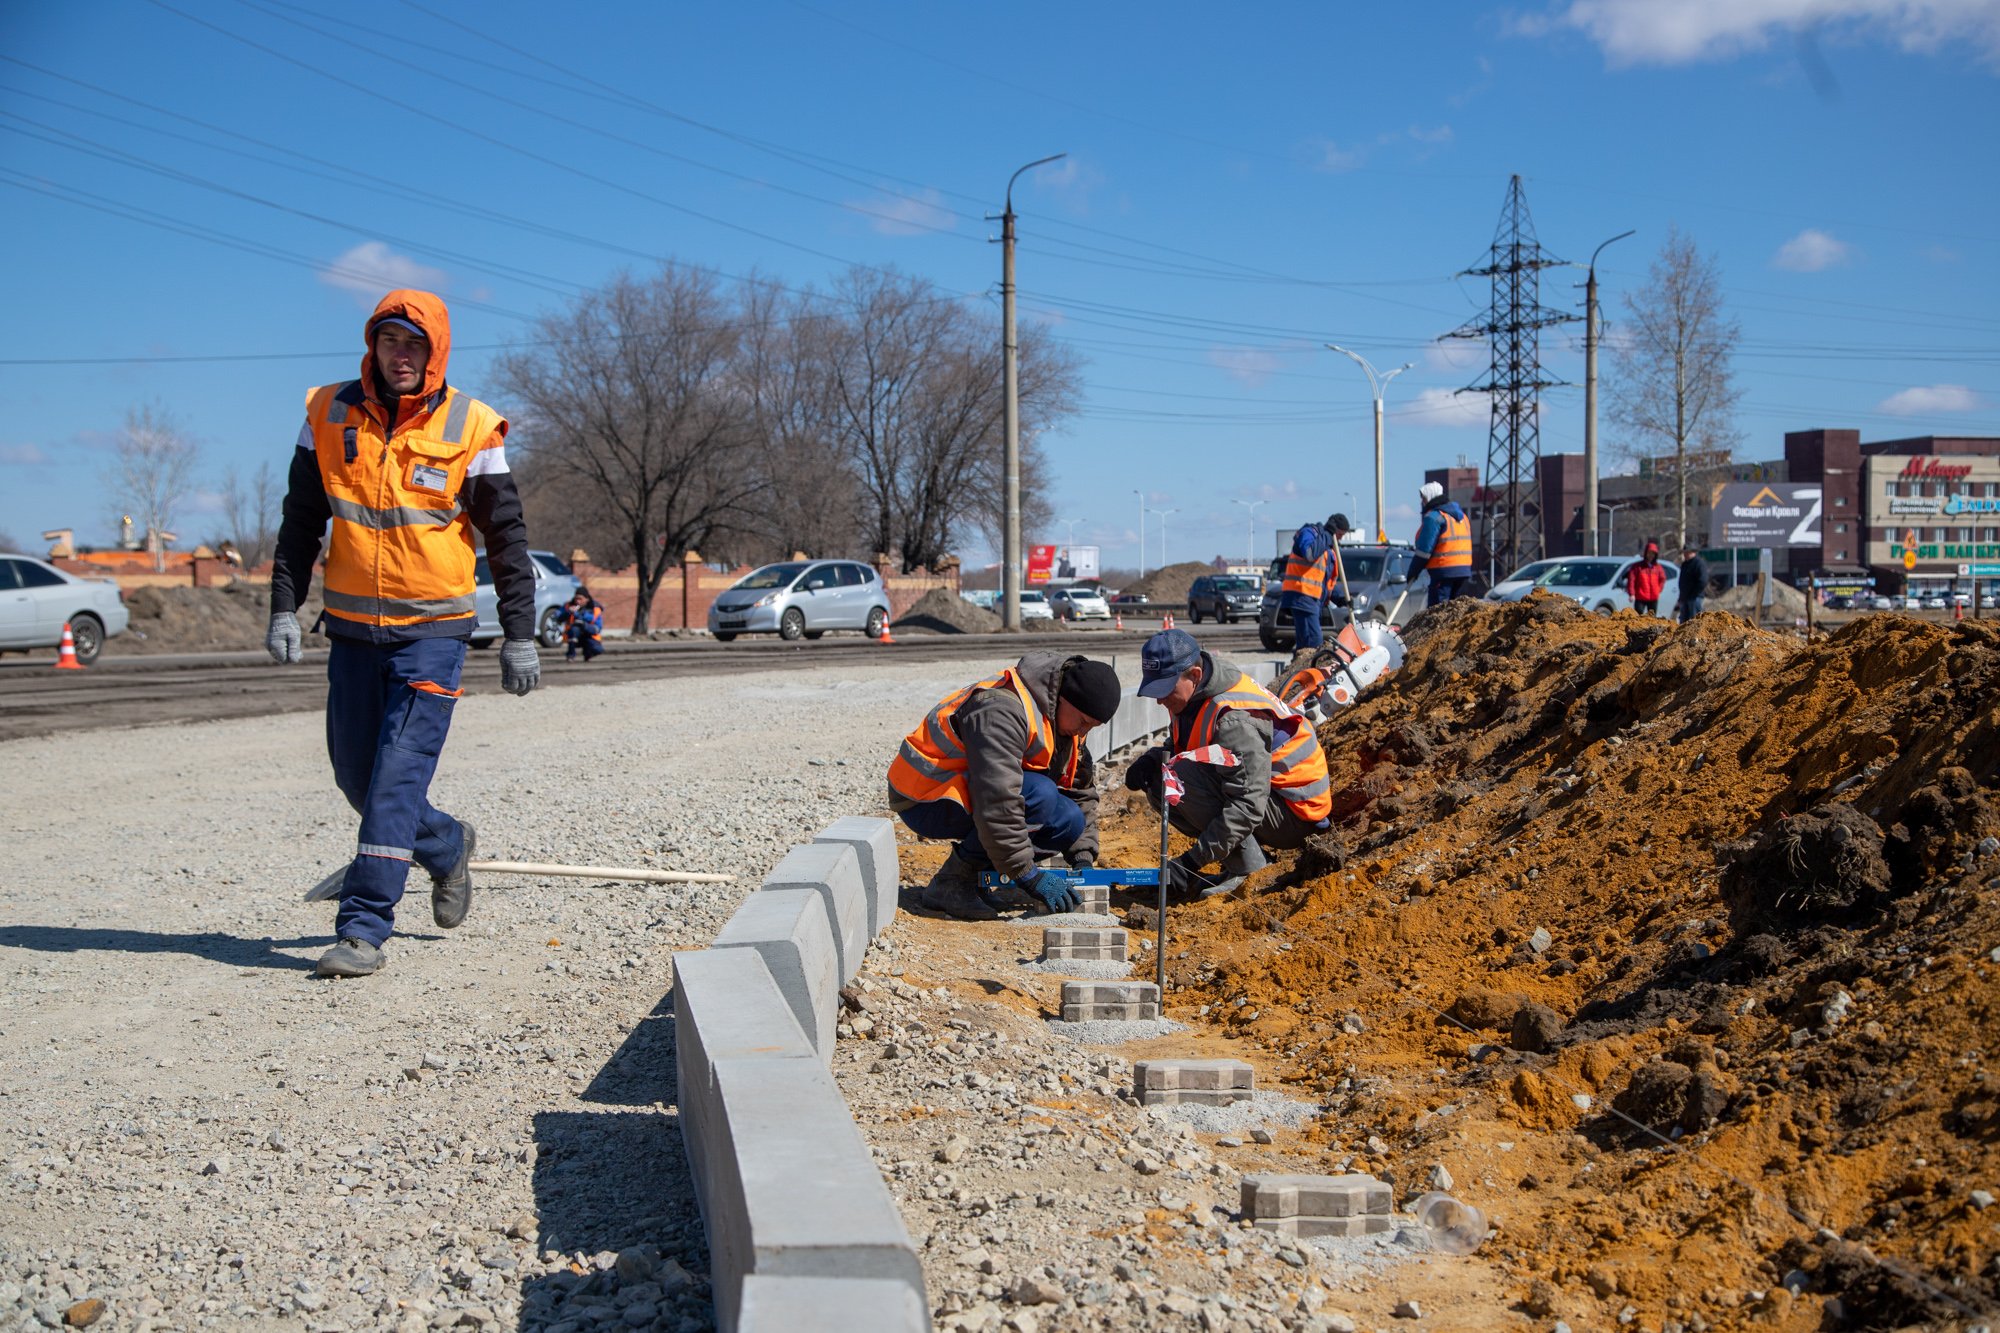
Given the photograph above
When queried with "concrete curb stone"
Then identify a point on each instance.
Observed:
(874, 844)
(833, 871)
(789, 928)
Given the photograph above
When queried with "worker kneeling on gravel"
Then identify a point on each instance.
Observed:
(404, 467)
(1274, 796)
(999, 768)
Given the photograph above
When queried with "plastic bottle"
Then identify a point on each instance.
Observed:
(1453, 1227)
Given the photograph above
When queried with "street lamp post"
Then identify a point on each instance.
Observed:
(1376, 384)
(1010, 602)
(1611, 528)
(1142, 532)
(1162, 513)
(1250, 549)
(1590, 399)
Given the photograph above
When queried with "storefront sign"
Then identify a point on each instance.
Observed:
(1900, 504)
(1968, 504)
(1931, 469)
(1764, 515)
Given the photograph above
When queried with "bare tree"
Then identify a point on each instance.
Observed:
(634, 392)
(250, 512)
(916, 392)
(1671, 384)
(813, 501)
(152, 473)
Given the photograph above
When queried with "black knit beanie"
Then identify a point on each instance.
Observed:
(1092, 687)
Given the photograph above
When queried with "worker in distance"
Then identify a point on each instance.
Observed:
(999, 769)
(404, 467)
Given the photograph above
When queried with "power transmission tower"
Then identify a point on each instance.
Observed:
(1514, 381)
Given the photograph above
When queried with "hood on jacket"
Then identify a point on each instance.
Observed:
(426, 310)
(1218, 675)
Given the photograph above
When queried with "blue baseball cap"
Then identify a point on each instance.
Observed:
(400, 323)
(1162, 660)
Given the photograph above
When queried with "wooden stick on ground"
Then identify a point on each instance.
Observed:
(330, 886)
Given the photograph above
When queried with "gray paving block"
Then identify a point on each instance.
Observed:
(1268, 1197)
(829, 1305)
(1367, 1224)
(874, 844)
(1094, 899)
(726, 1006)
(795, 1192)
(1109, 992)
(1139, 1011)
(789, 928)
(833, 871)
(1193, 1096)
(1075, 942)
(1185, 1074)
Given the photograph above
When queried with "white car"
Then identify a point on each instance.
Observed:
(1078, 604)
(1035, 606)
(1521, 582)
(1598, 582)
(37, 600)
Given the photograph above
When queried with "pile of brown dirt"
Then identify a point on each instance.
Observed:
(1660, 939)
(1164, 587)
(197, 620)
(941, 611)
(1787, 603)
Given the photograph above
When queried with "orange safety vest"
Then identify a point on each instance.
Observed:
(1306, 576)
(931, 763)
(1298, 765)
(1454, 545)
(401, 550)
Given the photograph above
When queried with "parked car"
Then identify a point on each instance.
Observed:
(1224, 598)
(984, 598)
(1990, 601)
(1935, 602)
(1598, 582)
(1130, 601)
(1077, 602)
(1035, 606)
(1841, 602)
(37, 600)
(1877, 602)
(554, 586)
(1521, 582)
(802, 599)
(1376, 578)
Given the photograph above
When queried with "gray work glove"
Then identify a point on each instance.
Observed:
(283, 640)
(520, 666)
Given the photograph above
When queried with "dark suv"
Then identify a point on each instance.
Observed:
(1223, 597)
(1376, 577)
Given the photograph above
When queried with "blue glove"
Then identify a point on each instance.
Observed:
(1051, 889)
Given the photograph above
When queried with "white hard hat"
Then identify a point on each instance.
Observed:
(1430, 491)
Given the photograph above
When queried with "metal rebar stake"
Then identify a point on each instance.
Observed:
(1160, 922)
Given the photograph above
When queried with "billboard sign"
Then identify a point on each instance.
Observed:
(1765, 514)
(1061, 564)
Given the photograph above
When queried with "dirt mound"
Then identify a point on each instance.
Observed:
(1167, 586)
(195, 620)
(1662, 938)
(941, 611)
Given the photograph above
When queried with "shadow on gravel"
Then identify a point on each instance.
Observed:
(615, 1181)
(230, 949)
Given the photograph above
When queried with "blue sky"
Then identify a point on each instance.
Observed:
(1241, 187)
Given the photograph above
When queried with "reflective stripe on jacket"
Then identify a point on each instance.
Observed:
(1453, 553)
(931, 763)
(1307, 578)
(1298, 765)
(401, 550)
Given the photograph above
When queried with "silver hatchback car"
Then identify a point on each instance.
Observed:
(555, 584)
(37, 600)
(802, 599)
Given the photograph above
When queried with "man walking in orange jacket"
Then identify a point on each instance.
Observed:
(404, 467)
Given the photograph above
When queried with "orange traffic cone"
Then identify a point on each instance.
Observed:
(1170, 621)
(66, 660)
(1118, 620)
(887, 637)
(1957, 611)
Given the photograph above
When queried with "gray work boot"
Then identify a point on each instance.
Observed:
(954, 890)
(1239, 865)
(352, 958)
(451, 897)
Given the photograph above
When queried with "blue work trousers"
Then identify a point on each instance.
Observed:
(1444, 589)
(1054, 821)
(1306, 630)
(388, 708)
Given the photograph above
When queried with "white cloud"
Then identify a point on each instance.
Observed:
(1928, 398)
(1812, 250)
(23, 455)
(1249, 366)
(908, 215)
(1071, 180)
(372, 268)
(1674, 32)
(1455, 354)
(1443, 407)
(1330, 156)
(1432, 134)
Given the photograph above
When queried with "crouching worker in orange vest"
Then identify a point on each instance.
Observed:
(1000, 769)
(404, 467)
(1273, 797)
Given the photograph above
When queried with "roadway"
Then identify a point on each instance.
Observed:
(36, 700)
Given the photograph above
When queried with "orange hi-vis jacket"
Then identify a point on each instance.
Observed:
(1454, 545)
(931, 763)
(1307, 577)
(1298, 765)
(401, 552)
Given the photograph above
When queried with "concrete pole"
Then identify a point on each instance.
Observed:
(1590, 401)
(1010, 557)
(1381, 507)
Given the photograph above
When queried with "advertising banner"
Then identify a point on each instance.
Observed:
(1061, 564)
(1765, 514)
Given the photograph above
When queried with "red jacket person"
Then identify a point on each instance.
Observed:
(404, 467)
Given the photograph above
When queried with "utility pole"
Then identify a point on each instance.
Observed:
(1376, 384)
(1163, 533)
(1590, 401)
(1250, 547)
(1010, 558)
(1142, 532)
